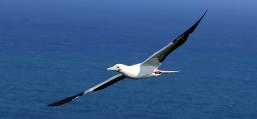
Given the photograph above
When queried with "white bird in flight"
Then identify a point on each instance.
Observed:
(148, 68)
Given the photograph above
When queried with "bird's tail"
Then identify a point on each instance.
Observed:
(168, 72)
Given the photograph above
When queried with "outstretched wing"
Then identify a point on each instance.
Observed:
(100, 86)
(157, 58)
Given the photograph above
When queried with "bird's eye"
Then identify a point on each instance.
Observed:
(118, 67)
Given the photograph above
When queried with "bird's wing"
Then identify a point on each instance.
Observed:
(157, 58)
(100, 86)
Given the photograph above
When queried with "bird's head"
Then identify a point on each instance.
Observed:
(116, 67)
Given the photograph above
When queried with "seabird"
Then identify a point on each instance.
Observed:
(148, 68)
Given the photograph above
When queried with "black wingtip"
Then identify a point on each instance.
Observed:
(203, 14)
(61, 102)
(192, 28)
(66, 100)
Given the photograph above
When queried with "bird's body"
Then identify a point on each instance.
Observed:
(132, 71)
(139, 71)
(148, 68)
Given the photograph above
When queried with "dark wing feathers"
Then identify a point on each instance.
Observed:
(66, 100)
(159, 56)
(100, 86)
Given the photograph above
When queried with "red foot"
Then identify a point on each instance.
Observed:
(157, 72)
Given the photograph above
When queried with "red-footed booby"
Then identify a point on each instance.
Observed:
(148, 68)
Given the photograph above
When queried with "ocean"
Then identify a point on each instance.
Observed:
(50, 49)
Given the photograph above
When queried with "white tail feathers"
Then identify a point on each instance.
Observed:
(168, 72)
(164, 72)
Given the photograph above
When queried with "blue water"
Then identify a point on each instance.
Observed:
(50, 49)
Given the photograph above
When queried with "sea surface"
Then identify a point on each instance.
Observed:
(50, 49)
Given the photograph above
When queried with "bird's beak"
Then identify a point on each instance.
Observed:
(111, 69)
